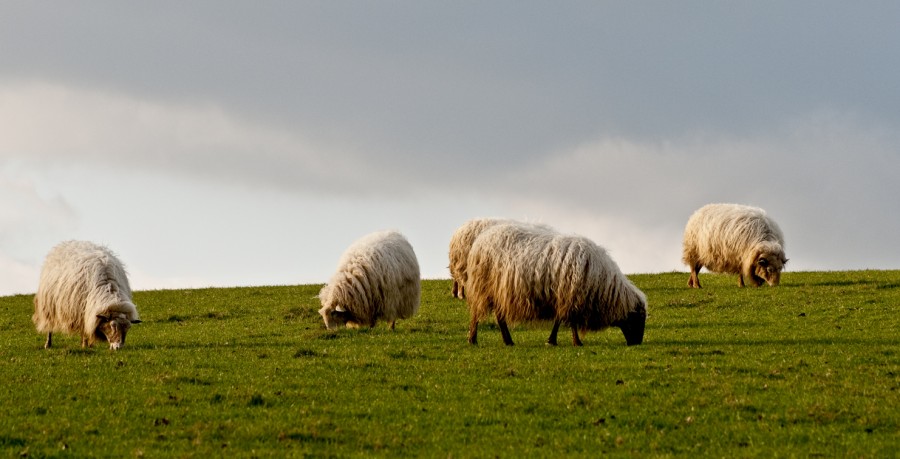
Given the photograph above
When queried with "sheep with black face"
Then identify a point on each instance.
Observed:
(522, 273)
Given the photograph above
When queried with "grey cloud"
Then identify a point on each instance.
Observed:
(417, 83)
(29, 219)
(830, 182)
(72, 126)
(595, 114)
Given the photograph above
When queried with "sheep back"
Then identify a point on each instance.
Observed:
(736, 239)
(80, 281)
(377, 277)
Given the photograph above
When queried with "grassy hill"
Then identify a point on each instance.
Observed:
(810, 368)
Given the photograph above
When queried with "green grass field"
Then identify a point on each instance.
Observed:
(810, 368)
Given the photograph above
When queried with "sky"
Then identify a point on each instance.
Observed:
(221, 143)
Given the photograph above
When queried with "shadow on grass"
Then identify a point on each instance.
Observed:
(305, 437)
(692, 325)
(243, 345)
(779, 342)
(215, 315)
(831, 283)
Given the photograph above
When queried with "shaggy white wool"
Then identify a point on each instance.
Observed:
(523, 273)
(377, 278)
(737, 239)
(80, 281)
(461, 243)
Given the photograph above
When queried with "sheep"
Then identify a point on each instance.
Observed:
(526, 273)
(736, 239)
(377, 277)
(460, 244)
(84, 289)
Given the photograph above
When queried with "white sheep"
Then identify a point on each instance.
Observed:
(737, 239)
(458, 253)
(524, 273)
(84, 290)
(460, 244)
(377, 278)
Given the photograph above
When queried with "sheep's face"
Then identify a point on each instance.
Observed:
(334, 317)
(112, 328)
(633, 325)
(767, 268)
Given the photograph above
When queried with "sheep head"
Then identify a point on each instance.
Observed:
(335, 312)
(335, 316)
(113, 327)
(766, 265)
(633, 326)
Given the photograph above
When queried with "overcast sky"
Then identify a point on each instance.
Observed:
(217, 143)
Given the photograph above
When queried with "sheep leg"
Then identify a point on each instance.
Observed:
(741, 280)
(473, 331)
(504, 330)
(551, 341)
(455, 290)
(393, 322)
(576, 341)
(694, 281)
(49, 341)
(84, 341)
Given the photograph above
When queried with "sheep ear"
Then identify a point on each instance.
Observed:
(340, 309)
(103, 318)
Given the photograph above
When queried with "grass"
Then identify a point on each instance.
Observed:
(810, 368)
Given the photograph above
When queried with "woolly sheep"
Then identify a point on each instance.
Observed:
(736, 239)
(377, 278)
(460, 244)
(525, 273)
(84, 289)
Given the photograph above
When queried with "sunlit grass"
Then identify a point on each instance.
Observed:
(811, 367)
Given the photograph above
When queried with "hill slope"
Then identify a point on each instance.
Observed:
(811, 367)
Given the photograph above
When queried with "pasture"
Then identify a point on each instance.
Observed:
(810, 368)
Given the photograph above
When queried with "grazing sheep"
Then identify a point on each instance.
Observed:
(525, 273)
(460, 244)
(377, 277)
(84, 289)
(731, 238)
